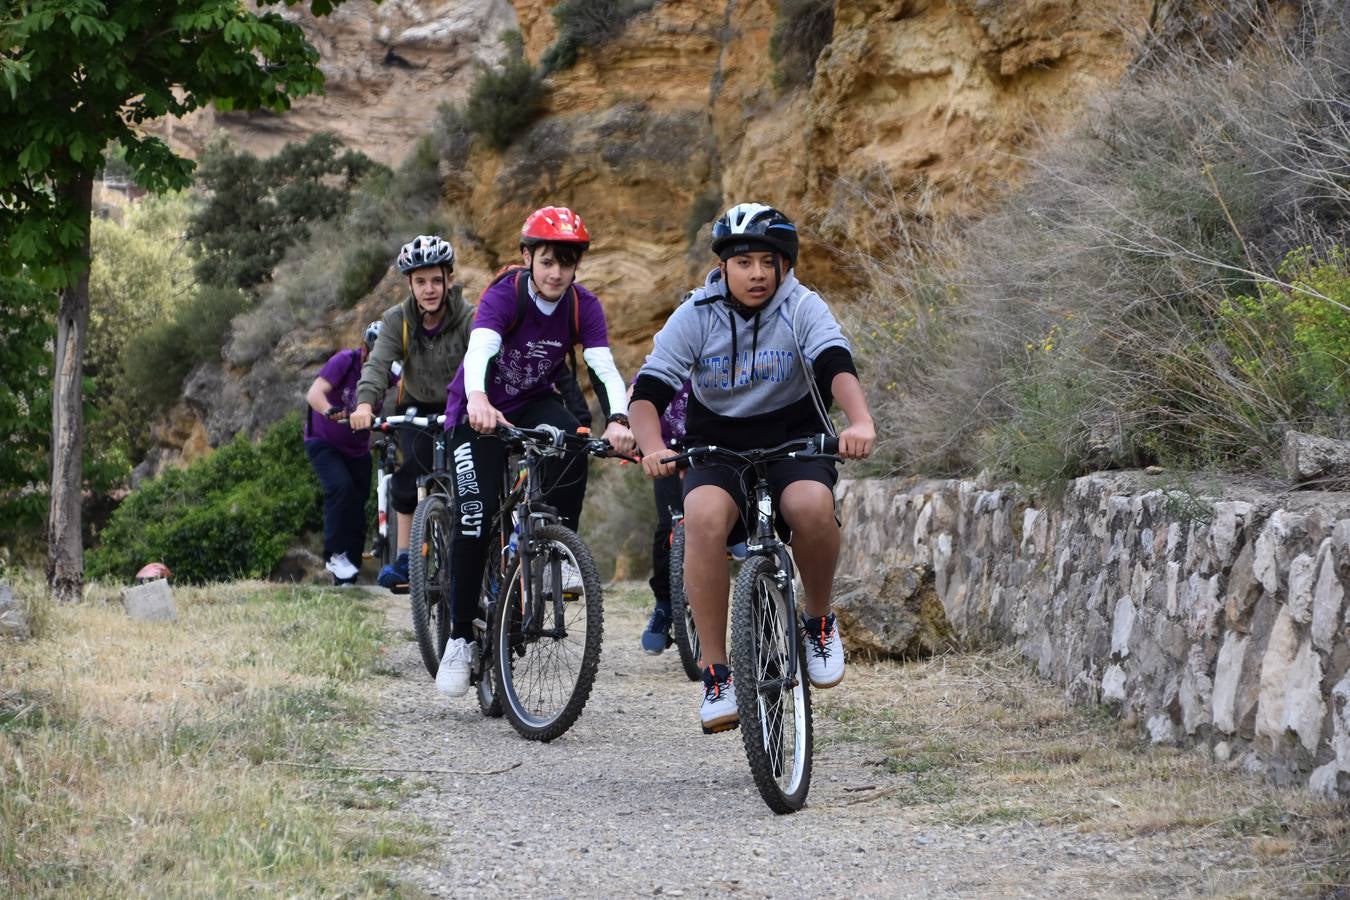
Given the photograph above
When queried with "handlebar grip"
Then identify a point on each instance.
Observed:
(829, 443)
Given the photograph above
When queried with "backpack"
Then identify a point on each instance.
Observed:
(567, 384)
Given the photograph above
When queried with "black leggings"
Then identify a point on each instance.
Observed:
(479, 462)
(669, 503)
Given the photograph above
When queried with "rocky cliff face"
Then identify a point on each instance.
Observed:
(680, 113)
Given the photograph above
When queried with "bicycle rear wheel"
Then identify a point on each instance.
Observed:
(429, 578)
(547, 651)
(489, 703)
(681, 616)
(774, 702)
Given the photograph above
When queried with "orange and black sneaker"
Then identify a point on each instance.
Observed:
(824, 651)
(718, 711)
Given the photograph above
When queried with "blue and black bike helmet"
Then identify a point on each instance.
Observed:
(754, 227)
(372, 334)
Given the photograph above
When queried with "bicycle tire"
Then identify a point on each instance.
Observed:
(489, 701)
(539, 702)
(429, 578)
(681, 616)
(775, 723)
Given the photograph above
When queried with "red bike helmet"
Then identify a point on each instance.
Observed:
(554, 225)
(151, 571)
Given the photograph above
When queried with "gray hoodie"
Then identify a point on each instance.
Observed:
(749, 369)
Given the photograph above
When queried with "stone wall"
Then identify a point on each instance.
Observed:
(1210, 616)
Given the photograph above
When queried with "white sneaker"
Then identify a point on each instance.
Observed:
(452, 677)
(572, 584)
(718, 710)
(341, 567)
(824, 651)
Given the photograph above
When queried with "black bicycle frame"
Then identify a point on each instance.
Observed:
(763, 541)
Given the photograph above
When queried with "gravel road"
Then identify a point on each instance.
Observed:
(635, 800)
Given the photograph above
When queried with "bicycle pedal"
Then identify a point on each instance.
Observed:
(399, 589)
(718, 729)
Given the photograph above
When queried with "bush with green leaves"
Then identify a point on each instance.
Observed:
(26, 330)
(155, 366)
(802, 30)
(230, 515)
(1128, 249)
(259, 207)
(587, 23)
(505, 98)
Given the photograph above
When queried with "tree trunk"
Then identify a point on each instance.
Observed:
(65, 551)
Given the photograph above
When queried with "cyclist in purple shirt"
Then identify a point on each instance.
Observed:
(527, 321)
(340, 457)
(669, 503)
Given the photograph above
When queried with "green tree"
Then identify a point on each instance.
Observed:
(260, 207)
(25, 401)
(77, 76)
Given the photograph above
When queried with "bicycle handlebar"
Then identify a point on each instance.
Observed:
(385, 423)
(817, 446)
(552, 436)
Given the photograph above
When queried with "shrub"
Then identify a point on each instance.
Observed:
(230, 515)
(259, 207)
(155, 365)
(803, 29)
(366, 264)
(26, 328)
(453, 136)
(587, 23)
(1129, 246)
(505, 99)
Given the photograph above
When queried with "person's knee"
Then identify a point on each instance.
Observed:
(810, 512)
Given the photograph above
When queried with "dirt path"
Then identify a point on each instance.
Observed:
(966, 802)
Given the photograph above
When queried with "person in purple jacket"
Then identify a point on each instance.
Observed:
(340, 457)
(526, 323)
(669, 504)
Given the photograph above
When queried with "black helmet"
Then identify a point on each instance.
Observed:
(750, 227)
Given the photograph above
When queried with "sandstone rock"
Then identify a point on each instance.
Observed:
(1313, 461)
(1300, 595)
(1228, 710)
(897, 616)
(1161, 729)
(151, 602)
(1304, 708)
(13, 622)
(1328, 598)
(1122, 624)
(1113, 684)
(1276, 676)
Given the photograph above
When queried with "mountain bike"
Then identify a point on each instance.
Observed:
(385, 451)
(547, 606)
(773, 696)
(429, 544)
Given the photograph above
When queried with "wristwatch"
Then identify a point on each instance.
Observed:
(621, 418)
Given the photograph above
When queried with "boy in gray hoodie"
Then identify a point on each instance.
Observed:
(766, 358)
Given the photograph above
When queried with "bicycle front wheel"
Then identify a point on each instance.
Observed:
(681, 616)
(772, 697)
(429, 578)
(547, 646)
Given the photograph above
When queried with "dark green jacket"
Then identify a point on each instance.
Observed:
(429, 361)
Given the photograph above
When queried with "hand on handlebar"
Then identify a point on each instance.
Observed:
(361, 417)
(620, 438)
(857, 440)
(483, 416)
(654, 463)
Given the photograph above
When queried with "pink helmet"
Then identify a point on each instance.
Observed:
(151, 571)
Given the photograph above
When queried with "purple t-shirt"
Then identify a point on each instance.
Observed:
(523, 369)
(342, 371)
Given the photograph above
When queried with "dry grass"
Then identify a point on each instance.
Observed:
(975, 739)
(134, 756)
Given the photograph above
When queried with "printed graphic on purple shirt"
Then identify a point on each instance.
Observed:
(342, 371)
(530, 354)
(672, 420)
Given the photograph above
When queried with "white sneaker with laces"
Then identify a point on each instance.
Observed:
(824, 651)
(718, 710)
(452, 677)
(341, 567)
(572, 584)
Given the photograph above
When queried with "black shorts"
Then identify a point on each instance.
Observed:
(737, 479)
